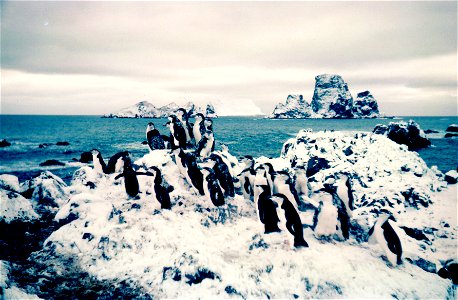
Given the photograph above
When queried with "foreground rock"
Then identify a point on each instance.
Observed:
(145, 109)
(331, 99)
(406, 133)
(452, 128)
(451, 177)
(4, 143)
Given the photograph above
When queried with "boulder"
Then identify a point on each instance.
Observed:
(365, 106)
(331, 97)
(451, 177)
(62, 143)
(9, 182)
(4, 143)
(428, 131)
(52, 162)
(452, 128)
(406, 133)
(450, 135)
(315, 165)
(295, 107)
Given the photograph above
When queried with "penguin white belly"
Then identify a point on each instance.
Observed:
(196, 132)
(97, 166)
(180, 166)
(285, 234)
(206, 190)
(188, 137)
(207, 149)
(342, 193)
(302, 185)
(327, 220)
(243, 178)
(119, 165)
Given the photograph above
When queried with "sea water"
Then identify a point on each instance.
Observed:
(254, 136)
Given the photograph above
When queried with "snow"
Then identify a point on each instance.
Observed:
(9, 182)
(196, 250)
(13, 207)
(244, 107)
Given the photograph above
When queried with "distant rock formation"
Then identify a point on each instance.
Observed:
(407, 133)
(145, 109)
(331, 99)
(452, 128)
(295, 107)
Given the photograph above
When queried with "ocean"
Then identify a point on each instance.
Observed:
(254, 136)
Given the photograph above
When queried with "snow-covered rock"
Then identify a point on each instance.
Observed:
(145, 109)
(9, 182)
(14, 207)
(406, 133)
(7, 290)
(331, 99)
(295, 107)
(365, 106)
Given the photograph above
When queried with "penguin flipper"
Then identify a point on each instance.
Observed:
(119, 176)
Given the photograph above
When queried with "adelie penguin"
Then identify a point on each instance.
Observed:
(160, 192)
(383, 233)
(290, 219)
(206, 145)
(177, 133)
(212, 188)
(154, 138)
(198, 129)
(182, 116)
(99, 165)
(222, 174)
(116, 162)
(267, 210)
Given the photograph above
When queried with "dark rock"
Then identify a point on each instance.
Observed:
(144, 143)
(450, 135)
(52, 162)
(135, 206)
(423, 264)
(348, 151)
(199, 276)
(62, 143)
(331, 97)
(452, 128)
(88, 236)
(451, 177)
(365, 106)
(173, 273)
(4, 143)
(86, 157)
(415, 233)
(315, 165)
(41, 146)
(406, 133)
(449, 271)
(428, 131)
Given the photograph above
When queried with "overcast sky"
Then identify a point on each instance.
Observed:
(97, 57)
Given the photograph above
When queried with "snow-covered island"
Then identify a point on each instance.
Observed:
(145, 109)
(106, 244)
(331, 99)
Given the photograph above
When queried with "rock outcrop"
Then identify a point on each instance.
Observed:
(295, 108)
(145, 109)
(452, 128)
(407, 133)
(331, 99)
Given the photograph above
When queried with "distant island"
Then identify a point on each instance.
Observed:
(145, 109)
(331, 100)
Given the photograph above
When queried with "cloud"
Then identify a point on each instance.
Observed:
(66, 55)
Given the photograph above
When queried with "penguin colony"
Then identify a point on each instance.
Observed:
(280, 197)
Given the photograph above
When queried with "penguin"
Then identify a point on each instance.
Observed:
(383, 233)
(212, 188)
(345, 193)
(208, 124)
(99, 165)
(198, 129)
(223, 175)
(160, 192)
(267, 210)
(187, 165)
(291, 219)
(325, 220)
(130, 178)
(154, 138)
(116, 162)
(343, 215)
(182, 116)
(247, 176)
(206, 145)
(177, 133)
(269, 175)
(283, 185)
(260, 180)
(301, 183)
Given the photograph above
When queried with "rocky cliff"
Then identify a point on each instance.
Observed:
(331, 99)
(145, 109)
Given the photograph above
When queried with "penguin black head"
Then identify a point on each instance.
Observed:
(181, 113)
(268, 167)
(279, 198)
(173, 118)
(199, 117)
(151, 126)
(264, 188)
(208, 123)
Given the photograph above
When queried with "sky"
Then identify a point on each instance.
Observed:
(97, 57)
